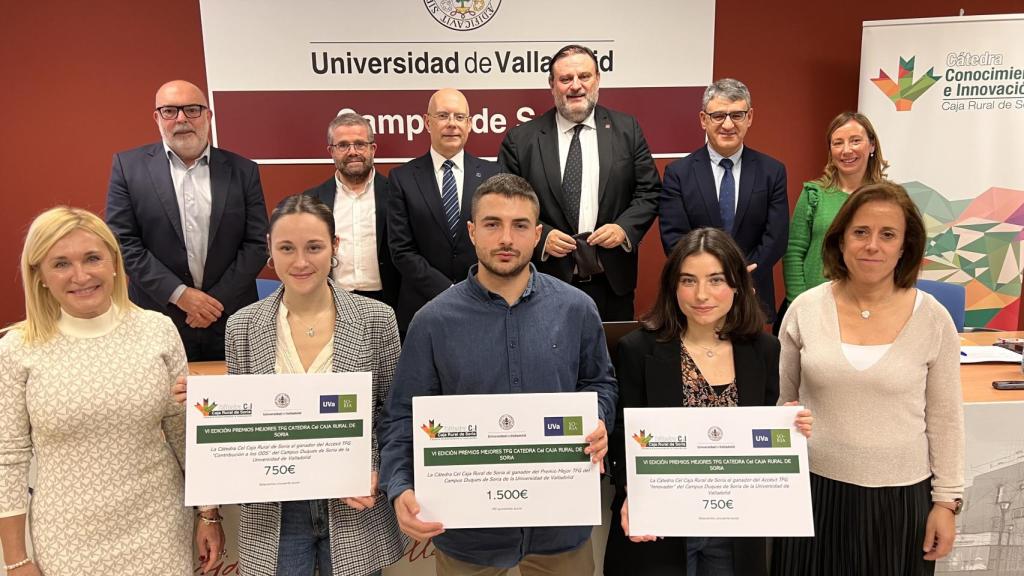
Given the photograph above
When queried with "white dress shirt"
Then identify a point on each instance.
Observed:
(591, 167)
(458, 171)
(355, 222)
(719, 172)
(195, 202)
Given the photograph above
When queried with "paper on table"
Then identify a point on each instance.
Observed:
(976, 354)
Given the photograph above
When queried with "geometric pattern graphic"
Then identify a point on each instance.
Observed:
(976, 243)
(905, 91)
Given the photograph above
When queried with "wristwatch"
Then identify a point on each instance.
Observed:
(958, 505)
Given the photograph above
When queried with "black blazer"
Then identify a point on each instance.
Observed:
(142, 211)
(761, 229)
(627, 195)
(650, 375)
(389, 278)
(423, 250)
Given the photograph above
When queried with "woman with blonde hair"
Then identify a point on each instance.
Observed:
(853, 157)
(84, 384)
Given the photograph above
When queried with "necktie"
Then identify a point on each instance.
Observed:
(572, 179)
(450, 197)
(727, 196)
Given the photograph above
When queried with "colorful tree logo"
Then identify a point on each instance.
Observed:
(643, 439)
(206, 407)
(905, 91)
(431, 429)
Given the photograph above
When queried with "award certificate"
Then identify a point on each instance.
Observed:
(717, 472)
(277, 437)
(506, 460)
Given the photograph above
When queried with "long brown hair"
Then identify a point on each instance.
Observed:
(744, 320)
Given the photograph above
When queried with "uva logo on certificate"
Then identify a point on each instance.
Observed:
(506, 460)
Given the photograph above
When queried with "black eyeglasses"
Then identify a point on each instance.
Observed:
(358, 146)
(190, 110)
(719, 117)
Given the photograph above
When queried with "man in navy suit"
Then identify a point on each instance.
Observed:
(191, 221)
(727, 185)
(430, 206)
(596, 181)
(357, 195)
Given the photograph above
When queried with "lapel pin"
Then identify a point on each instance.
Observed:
(478, 175)
(607, 125)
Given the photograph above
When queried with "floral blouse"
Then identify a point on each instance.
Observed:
(697, 393)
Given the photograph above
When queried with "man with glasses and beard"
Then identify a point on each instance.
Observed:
(191, 221)
(596, 181)
(358, 196)
(429, 207)
(727, 185)
(451, 349)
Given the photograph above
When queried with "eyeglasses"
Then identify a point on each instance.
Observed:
(446, 116)
(190, 110)
(719, 117)
(358, 146)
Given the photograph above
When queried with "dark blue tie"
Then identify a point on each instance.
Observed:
(450, 197)
(727, 196)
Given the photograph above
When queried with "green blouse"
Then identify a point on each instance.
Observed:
(814, 212)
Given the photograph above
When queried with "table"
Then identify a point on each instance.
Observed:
(976, 379)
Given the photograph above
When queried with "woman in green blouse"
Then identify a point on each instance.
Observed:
(854, 159)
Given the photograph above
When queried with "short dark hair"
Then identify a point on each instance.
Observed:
(909, 264)
(744, 320)
(566, 51)
(510, 186)
(302, 204)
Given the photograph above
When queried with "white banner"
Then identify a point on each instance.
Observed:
(277, 72)
(946, 96)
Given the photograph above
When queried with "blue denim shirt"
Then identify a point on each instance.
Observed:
(468, 340)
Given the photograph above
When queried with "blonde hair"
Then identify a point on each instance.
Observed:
(41, 308)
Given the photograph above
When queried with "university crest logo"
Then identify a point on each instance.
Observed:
(462, 14)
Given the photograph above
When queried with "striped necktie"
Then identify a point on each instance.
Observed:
(450, 197)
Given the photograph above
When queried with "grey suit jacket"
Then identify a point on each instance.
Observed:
(365, 339)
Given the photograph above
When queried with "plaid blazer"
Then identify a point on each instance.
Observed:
(365, 339)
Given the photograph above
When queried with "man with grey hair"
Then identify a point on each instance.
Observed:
(191, 221)
(358, 197)
(727, 185)
(596, 181)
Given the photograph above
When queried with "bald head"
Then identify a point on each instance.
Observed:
(180, 91)
(186, 137)
(448, 134)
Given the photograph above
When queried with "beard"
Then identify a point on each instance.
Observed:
(504, 269)
(355, 174)
(576, 115)
(185, 141)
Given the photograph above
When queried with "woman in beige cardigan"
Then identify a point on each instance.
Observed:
(877, 361)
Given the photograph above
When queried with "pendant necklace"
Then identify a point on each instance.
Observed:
(709, 352)
(864, 312)
(310, 331)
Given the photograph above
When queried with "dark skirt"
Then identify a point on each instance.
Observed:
(860, 532)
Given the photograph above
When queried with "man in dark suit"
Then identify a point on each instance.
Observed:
(701, 189)
(358, 196)
(430, 204)
(596, 182)
(191, 221)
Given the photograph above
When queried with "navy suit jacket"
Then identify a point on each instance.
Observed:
(426, 255)
(389, 278)
(142, 211)
(628, 187)
(689, 201)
